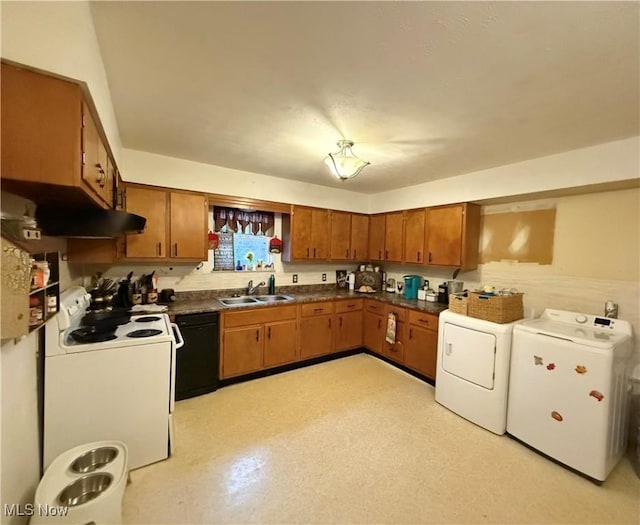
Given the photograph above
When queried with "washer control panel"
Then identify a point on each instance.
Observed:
(587, 320)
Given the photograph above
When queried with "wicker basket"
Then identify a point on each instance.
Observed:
(458, 303)
(495, 308)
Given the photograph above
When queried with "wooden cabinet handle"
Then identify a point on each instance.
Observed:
(346, 253)
(379, 254)
(418, 256)
(429, 256)
(410, 333)
(386, 254)
(340, 321)
(159, 249)
(329, 322)
(175, 250)
(351, 306)
(314, 253)
(318, 310)
(379, 323)
(258, 335)
(307, 253)
(354, 253)
(269, 332)
(422, 320)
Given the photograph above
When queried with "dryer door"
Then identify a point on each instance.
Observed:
(469, 354)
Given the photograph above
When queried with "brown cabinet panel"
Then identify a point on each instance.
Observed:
(188, 226)
(444, 237)
(340, 235)
(319, 308)
(359, 236)
(241, 351)
(394, 236)
(279, 343)
(374, 306)
(373, 331)
(301, 233)
(349, 305)
(414, 236)
(153, 241)
(376, 237)
(319, 234)
(420, 350)
(395, 351)
(254, 316)
(316, 336)
(423, 319)
(348, 330)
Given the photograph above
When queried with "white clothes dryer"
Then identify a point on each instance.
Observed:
(472, 376)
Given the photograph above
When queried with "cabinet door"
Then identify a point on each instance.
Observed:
(316, 336)
(395, 351)
(393, 236)
(188, 226)
(319, 234)
(376, 237)
(359, 237)
(340, 235)
(152, 204)
(444, 236)
(373, 331)
(301, 233)
(94, 159)
(241, 351)
(420, 350)
(348, 330)
(414, 233)
(279, 343)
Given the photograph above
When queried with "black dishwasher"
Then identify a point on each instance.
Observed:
(197, 361)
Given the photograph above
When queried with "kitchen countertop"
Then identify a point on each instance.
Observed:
(192, 304)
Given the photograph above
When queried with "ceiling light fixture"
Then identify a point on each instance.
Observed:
(344, 164)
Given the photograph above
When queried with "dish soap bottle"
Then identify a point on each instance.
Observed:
(238, 266)
(272, 284)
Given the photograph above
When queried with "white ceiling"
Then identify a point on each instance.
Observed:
(426, 90)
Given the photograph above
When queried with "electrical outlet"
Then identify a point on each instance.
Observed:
(295, 278)
(324, 277)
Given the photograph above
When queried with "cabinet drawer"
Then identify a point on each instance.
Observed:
(322, 308)
(423, 319)
(258, 316)
(348, 306)
(374, 306)
(400, 313)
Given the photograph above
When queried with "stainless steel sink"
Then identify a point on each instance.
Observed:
(237, 301)
(273, 298)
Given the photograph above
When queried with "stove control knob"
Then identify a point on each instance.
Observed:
(581, 319)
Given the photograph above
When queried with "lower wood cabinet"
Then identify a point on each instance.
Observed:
(316, 329)
(395, 351)
(421, 346)
(374, 325)
(348, 324)
(258, 339)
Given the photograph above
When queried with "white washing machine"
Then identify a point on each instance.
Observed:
(472, 376)
(569, 389)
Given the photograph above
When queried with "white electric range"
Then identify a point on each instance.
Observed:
(118, 386)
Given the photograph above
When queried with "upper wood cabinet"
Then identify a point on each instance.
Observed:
(306, 234)
(349, 236)
(176, 224)
(414, 236)
(359, 236)
(376, 237)
(393, 236)
(53, 148)
(452, 235)
(340, 235)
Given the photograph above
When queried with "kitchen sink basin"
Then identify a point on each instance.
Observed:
(273, 298)
(237, 301)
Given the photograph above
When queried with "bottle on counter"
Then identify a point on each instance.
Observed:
(352, 281)
(272, 284)
(238, 265)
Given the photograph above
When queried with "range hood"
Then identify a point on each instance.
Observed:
(88, 223)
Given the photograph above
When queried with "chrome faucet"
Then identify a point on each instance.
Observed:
(251, 288)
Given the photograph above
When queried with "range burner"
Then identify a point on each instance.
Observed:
(89, 335)
(147, 332)
(147, 319)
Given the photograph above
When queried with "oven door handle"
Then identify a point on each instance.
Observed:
(177, 335)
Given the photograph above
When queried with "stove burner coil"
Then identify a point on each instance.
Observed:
(89, 335)
(147, 319)
(147, 332)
